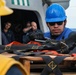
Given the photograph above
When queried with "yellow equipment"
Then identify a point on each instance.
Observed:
(6, 63)
(4, 10)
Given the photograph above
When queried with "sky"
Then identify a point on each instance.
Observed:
(71, 14)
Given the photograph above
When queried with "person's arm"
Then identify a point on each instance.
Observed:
(4, 39)
(26, 29)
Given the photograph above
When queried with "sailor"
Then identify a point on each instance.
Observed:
(56, 20)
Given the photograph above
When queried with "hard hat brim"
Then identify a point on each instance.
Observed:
(56, 19)
(4, 10)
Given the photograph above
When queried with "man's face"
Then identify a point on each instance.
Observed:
(56, 28)
(8, 25)
(34, 26)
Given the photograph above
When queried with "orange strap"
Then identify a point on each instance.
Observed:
(14, 43)
(34, 42)
(73, 54)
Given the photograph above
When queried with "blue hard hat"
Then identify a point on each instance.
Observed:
(55, 13)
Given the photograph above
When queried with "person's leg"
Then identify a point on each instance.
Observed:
(14, 70)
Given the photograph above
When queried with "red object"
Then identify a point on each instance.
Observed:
(74, 54)
(14, 43)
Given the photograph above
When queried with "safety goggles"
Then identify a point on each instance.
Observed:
(53, 23)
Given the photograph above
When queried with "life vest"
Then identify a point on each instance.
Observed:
(6, 63)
